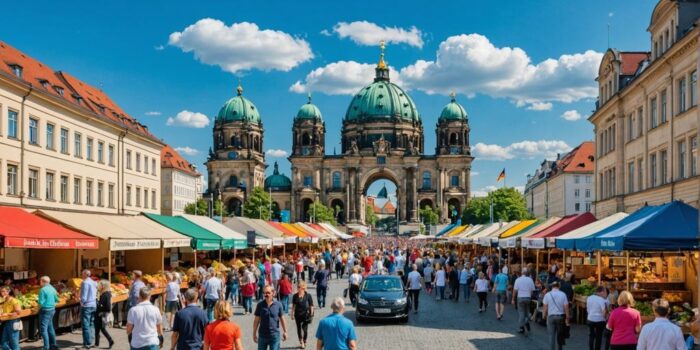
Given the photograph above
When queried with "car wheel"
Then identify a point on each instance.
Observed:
(404, 319)
(359, 319)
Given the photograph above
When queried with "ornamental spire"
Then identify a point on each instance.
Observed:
(381, 63)
(276, 170)
(452, 96)
(308, 96)
(382, 70)
(239, 89)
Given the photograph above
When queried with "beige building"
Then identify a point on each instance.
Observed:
(563, 186)
(181, 184)
(646, 117)
(66, 145)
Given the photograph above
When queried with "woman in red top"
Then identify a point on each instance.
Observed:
(625, 323)
(222, 334)
(285, 291)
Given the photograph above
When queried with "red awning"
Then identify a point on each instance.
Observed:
(566, 224)
(284, 230)
(20, 229)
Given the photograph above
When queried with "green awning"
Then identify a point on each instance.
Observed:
(239, 241)
(202, 239)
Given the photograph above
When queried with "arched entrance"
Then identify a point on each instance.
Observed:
(339, 210)
(454, 209)
(381, 200)
(426, 203)
(235, 206)
(305, 205)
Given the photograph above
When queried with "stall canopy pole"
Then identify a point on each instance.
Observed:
(195, 258)
(600, 269)
(563, 259)
(549, 259)
(627, 262)
(162, 259)
(219, 254)
(109, 263)
(522, 258)
(537, 261)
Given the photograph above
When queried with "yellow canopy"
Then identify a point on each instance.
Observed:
(457, 230)
(517, 228)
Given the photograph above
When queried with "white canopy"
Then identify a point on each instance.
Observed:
(214, 226)
(335, 231)
(591, 228)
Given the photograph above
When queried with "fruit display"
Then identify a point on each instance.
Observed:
(584, 288)
(676, 296)
(28, 301)
(118, 289)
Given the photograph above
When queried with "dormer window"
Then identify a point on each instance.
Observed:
(16, 70)
(59, 90)
(78, 99)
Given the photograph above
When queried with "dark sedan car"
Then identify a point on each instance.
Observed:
(382, 297)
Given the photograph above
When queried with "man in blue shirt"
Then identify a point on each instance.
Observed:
(189, 324)
(321, 278)
(335, 332)
(88, 307)
(500, 288)
(48, 297)
(135, 288)
(268, 317)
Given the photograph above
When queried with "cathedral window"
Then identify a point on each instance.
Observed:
(233, 181)
(305, 139)
(336, 180)
(308, 181)
(454, 180)
(453, 138)
(427, 183)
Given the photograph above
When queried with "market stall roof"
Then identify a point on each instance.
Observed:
(21, 229)
(420, 237)
(512, 240)
(566, 241)
(671, 226)
(467, 232)
(241, 226)
(487, 240)
(202, 239)
(119, 237)
(457, 230)
(566, 224)
(287, 232)
(140, 223)
(239, 241)
(269, 231)
(484, 230)
(326, 234)
(300, 232)
(515, 230)
(587, 243)
(539, 228)
(446, 229)
(335, 231)
(319, 233)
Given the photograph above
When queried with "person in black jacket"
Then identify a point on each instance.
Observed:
(104, 310)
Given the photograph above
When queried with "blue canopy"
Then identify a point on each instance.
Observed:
(586, 243)
(446, 229)
(672, 226)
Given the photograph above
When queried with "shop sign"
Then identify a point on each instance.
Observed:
(129, 244)
(240, 244)
(536, 243)
(676, 269)
(176, 242)
(485, 241)
(48, 243)
(208, 245)
(507, 243)
(607, 244)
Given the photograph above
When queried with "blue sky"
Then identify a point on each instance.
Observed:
(159, 58)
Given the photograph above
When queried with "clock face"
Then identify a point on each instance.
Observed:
(232, 155)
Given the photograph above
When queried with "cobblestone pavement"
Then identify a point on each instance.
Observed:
(438, 325)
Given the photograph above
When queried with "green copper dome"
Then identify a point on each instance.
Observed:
(309, 111)
(238, 109)
(277, 181)
(453, 111)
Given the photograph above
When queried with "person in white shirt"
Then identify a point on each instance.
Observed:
(415, 283)
(144, 325)
(428, 278)
(556, 312)
(464, 281)
(481, 287)
(597, 308)
(439, 281)
(522, 292)
(661, 334)
(354, 282)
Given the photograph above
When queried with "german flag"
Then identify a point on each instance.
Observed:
(502, 175)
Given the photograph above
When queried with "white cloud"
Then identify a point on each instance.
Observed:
(520, 188)
(483, 192)
(474, 173)
(523, 149)
(540, 106)
(187, 150)
(340, 78)
(571, 115)
(241, 46)
(370, 34)
(159, 47)
(189, 120)
(471, 64)
(153, 113)
(277, 153)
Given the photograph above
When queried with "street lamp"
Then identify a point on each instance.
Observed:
(221, 209)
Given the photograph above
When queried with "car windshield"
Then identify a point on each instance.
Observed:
(381, 285)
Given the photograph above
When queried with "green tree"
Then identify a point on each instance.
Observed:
(257, 205)
(321, 213)
(370, 217)
(429, 216)
(508, 205)
(201, 207)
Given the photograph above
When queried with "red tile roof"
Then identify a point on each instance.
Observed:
(630, 61)
(75, 92)
(580, 159)
(170, 158)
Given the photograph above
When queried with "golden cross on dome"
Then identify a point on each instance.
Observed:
(381, 63)
(239, 89)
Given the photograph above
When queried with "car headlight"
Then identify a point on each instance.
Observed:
(401, 301)
(362, 301)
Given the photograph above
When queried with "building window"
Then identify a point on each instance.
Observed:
(381, 160)
(128, 159)
(577, 206)
(640, 175)
(588, 193)
(588, 179)
(33, 183)
(110, 155)
(153, 199)
(145, 164)
(88, 148)
(427, 181)
(12, 124)
(145, 198)
(33, 131)
(663, 107)
(577, 193)
(336, 180)
(588, 206)
(693, 156)
(652, 114)
(640, 122)
(110, 195)
(693, 88)
(652, 170)
(100, 152)
(12, 179)
(308, 181)
(138, 197)
(577, 179)
(138, 162)
(664, 167)
(682, 153)
(153, 166)
(49, 136)
(100, 194)
(64, 141)
(630, 128)
(49, 186)
(681, 95)
(630, 177)
(454, 181)
(88, 192)
(16, 70)
(64, 188)
(78, 145)
(76, 190)
(128, 195)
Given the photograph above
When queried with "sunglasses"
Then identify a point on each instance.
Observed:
(267, 293)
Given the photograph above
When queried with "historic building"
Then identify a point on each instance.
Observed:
(646, 117)
(563, 186)
(66, 145)
(181, 184)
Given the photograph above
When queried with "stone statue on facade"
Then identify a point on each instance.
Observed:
(354, 150)
(411, 150)
(381, 146)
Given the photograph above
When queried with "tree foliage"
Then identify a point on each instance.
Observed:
(321, 213)
(257, 205)
(370, 217)
(429, 216)
(508, 205)
(201, 207)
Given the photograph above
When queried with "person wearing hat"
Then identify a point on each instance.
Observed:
(321, 282)
(556, 312)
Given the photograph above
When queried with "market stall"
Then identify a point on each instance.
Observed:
(316, 230)
(242, 227)
(334, 230)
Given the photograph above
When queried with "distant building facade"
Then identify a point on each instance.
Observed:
(181, 184)
(564, 186)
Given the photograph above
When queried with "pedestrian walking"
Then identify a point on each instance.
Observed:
(136, 286)
(522, 292)
(232, 287)
(10, 328)
(464, 281)
(439, 282)
(556, 312)
(597, 309)
(415, 283)
(302, 312)
(276, 273)
(213, 290)
(48, 297)
(481, 287)
(103, 318)
(335, 331)
(354, 284)
(172, 299)
(247, 289)
(189, 324)
(625, 323)
(222, 334)
(428, 278)
(144, 324)
(321, 281)
(268, 319)
(661, 334)
(285, 290)
(453, 278)
(88, 307)
(500, 288)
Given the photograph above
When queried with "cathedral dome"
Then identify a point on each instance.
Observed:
(309, 111)
(238, 109)
(277, 181)
(453, 111)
